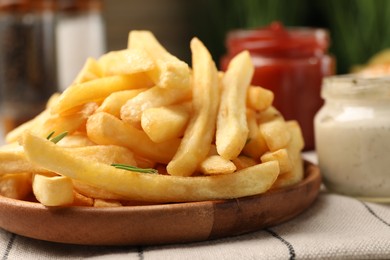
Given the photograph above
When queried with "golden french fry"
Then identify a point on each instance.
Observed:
(150, 187)
(215, 164)
(114, 102)
(200, 130)
(232, 128)
(102, 203)
(132, 111)
(164, 123)
(105, 129)
(15, 186)
(75, 140)
(170, 72)
(13, 158)
(282, 157)
(242, 162)
(90, 71)
(270, 114)
(15, 134)
(98, 89)
(53, 190)
(259, 98)
(126, 61)
(294, 149)
(143, 162)
(255, 145)
(297, 142)
(95, 193)
(64, 123)
(276, 134)
(81, 200)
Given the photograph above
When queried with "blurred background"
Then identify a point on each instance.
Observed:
(358, 28)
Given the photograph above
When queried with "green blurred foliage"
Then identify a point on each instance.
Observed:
(358, 28)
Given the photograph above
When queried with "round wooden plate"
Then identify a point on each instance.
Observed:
(160, 224)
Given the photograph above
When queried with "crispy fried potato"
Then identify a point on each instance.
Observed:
(15, 186)
(114, 102)
(105, 129)
(53, 191)
(259, 98)
(150, 187)
(270, 114)
(15, 134)
(95, 193)
(275, 134)
(200, 130)
(242, 162)
(255, 145)
(294, 149)
(132, 111)
(90, 71)
(102, 203)
(75, 140)
(13, 158)
(232, 128)
(64, 123)
(170, 72)
(81, 200)
(215, 164)
(98, 89)
(282, 157)
(164, 123)
(124, 62)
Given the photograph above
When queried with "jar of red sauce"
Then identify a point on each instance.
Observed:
(292, 63)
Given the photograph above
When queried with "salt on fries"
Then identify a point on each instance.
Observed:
(139, 126)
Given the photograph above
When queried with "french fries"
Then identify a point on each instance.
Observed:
(150, 187)
(170, 72)
(98, 89)
(138, 126)
(53, 190)
(165, 123)
(124, 62)
(199, 133)
(105, 129)
(132, 111)
(232, 129)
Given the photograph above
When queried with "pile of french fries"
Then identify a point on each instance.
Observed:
(139, 126)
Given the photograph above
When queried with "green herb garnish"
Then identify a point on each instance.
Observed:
(57, 138)
(50, 135)
(134, 168)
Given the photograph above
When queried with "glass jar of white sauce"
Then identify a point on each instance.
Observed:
(352, 135)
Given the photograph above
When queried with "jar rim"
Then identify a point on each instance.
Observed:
(353, 86)
(276, 39)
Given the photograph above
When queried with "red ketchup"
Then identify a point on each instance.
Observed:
(291, 62)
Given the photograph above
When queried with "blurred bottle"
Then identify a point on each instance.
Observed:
(27, 59)
(80, 34)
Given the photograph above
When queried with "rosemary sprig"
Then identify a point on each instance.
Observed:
(134, 168)
(50, 135)
(57, 138)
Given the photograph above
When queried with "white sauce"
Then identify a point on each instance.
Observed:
(353, 147)
(355, 157)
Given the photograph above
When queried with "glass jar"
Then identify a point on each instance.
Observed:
(291, 62)
(352, 135)
(80, 35)
(27, 59)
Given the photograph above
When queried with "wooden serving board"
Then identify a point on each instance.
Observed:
(160, 224)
